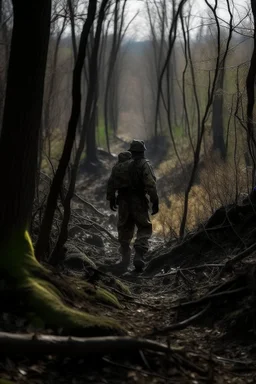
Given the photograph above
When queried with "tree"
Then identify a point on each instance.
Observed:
(218, 102)
(43, 239)
(92, 94)
(92, 97)
(18, 165)
(111, 103)
(250, 88)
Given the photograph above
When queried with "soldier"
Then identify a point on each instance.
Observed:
(133, 205)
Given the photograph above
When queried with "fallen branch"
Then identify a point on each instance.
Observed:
(77, 197)
(96, 225)
(18, 344)
(194, 244)
(240, 256)
(181, 325)
(88, 205)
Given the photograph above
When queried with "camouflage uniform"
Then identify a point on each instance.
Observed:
(138, 180)
(119, 175)
(133, 206)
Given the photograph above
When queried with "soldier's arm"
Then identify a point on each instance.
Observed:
(149, 181)
(111, 191)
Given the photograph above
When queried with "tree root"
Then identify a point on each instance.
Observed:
(42, 297)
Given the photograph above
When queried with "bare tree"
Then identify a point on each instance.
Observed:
(217, 107)
(51, 86)
(43, 239)
(110, 103)
(250, 87)
(89, 115)
(201, 117)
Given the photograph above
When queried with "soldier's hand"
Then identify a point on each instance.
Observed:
(155, 207)
(112, 204)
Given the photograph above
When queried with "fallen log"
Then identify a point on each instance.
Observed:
(32, 344)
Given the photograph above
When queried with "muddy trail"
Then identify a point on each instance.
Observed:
(191, 313)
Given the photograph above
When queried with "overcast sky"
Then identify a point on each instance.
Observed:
(140, 28)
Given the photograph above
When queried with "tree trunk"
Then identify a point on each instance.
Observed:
(89, 126)
(92, 95)
(43, 239)
(22, 114)
(49, 103)
(218, 118)
(250, 84)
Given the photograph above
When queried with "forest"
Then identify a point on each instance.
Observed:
(128, 192)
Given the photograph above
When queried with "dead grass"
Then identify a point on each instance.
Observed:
(220, 184)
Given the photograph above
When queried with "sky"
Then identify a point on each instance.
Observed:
(139, 29)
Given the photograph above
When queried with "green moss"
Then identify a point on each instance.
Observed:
(4, 381)
(122, 287)
(96, 293)
(43, 298)
(106, 297)
(101, 134)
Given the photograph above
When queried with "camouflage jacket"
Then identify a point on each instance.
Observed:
(133, 177)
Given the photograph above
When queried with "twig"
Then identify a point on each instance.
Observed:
(133, 298)
(186, 269)
(210, 297)
(190, 365)
(181, 325)
(240, 256)
(88, 205)
(134, 369)
(185, 278)
(77, 197)
(223, 285)
(98, 226)
(20, 344)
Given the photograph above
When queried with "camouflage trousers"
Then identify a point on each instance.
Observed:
(133, 212)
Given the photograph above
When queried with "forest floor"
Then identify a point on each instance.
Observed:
(212, 340)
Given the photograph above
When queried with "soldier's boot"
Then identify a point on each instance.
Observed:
(138, 261)
(125, 252)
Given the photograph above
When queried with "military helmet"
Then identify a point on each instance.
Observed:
(137, 146)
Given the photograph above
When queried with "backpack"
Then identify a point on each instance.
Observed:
(136, 178)
(121, 175)
(128, 175)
